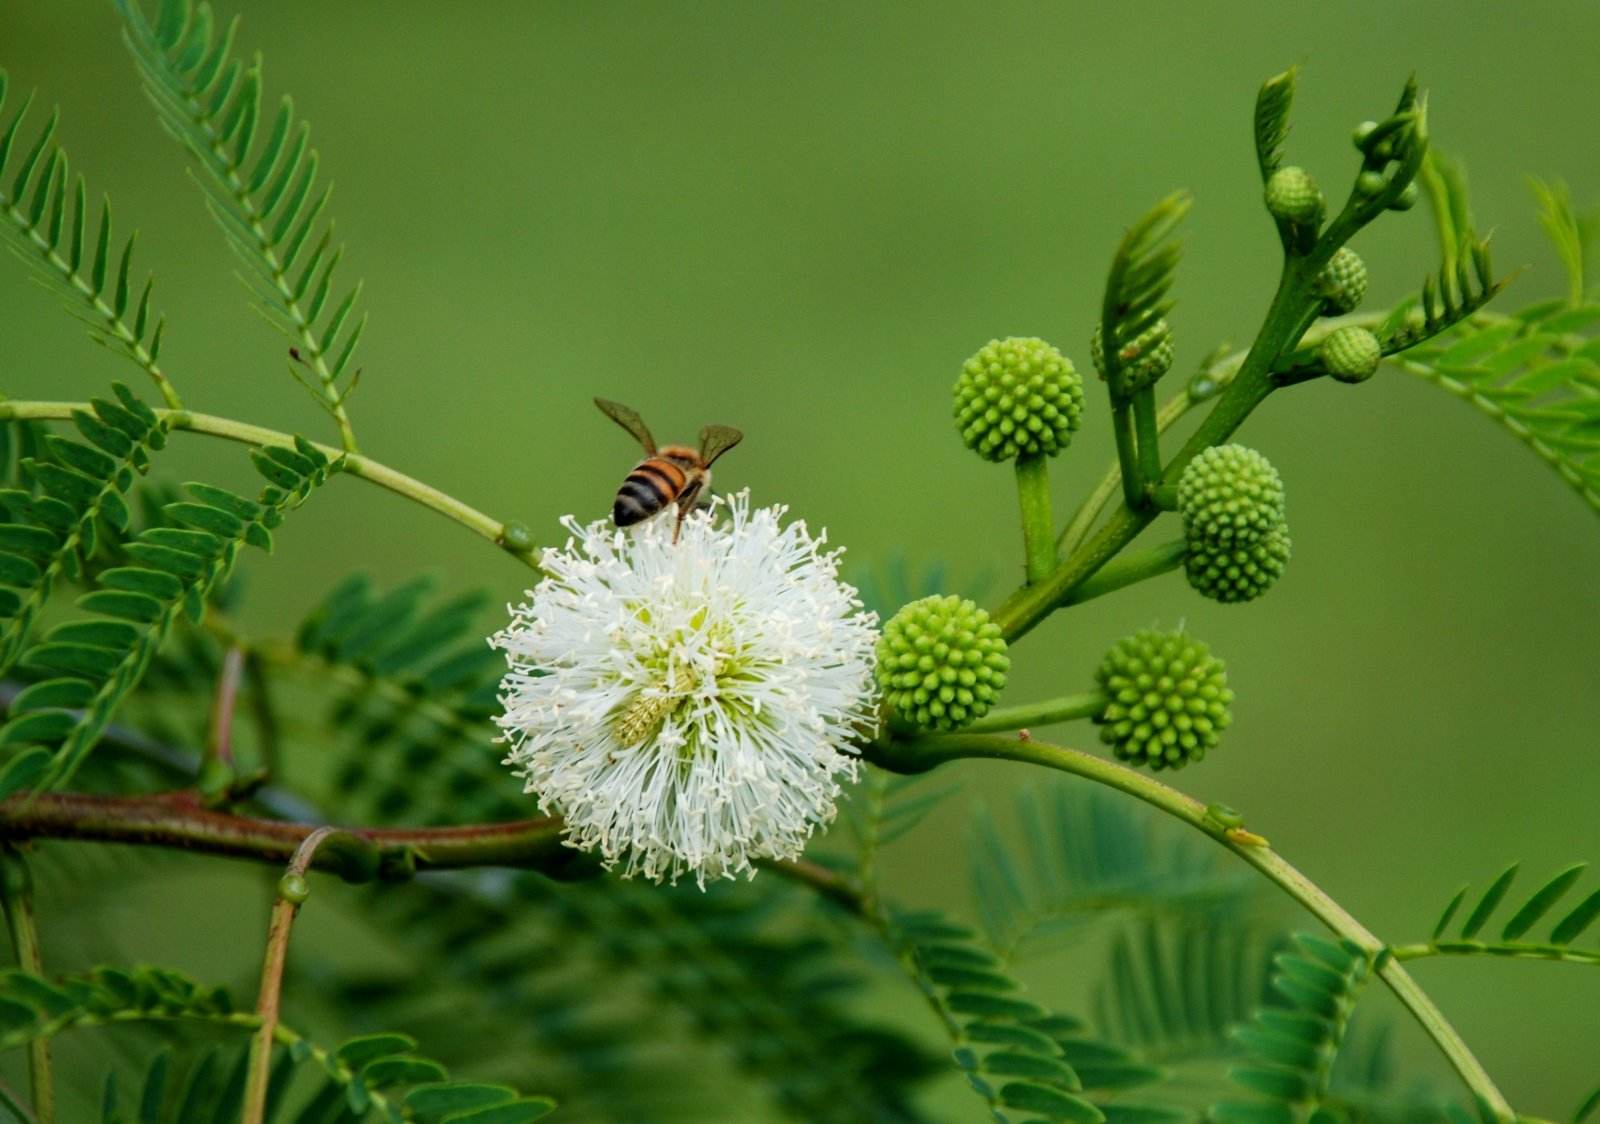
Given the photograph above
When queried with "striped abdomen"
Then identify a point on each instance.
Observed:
(655, 484)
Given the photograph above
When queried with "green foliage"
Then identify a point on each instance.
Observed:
(1176, 987)
(739, 970)
(1290, 1047)
(362, 1077)
(1141, 275)
(1536, 374)
(1569, 923)
(82, 487)
(1273, 102)
(417, 686)
(52, 237)
(260, 179)
(1016, 1054)
(1087, 857)
(93, 664)
(1569, 233)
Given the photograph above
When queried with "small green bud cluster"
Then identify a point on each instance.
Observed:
(1167, 699)
(1342, 282)
(1351, 354)
(1230, 494)
(1143, 359)
(941, 662)
(1231, 501)
(1378, 150)
(1238, 573)
(1018, 397)
(1294, 197)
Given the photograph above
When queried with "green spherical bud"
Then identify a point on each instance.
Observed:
(1167, 699)
(1342, 282)
(1407, 198)
(1230, 495)
(1370, 183)
(1145, 358)
(294, 888)
(1364, 133)
(1018, 397)
(1351, 354)
(941, 662)
(1232, 574)
(1293, 196)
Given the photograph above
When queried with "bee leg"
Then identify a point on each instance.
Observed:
(686, 504)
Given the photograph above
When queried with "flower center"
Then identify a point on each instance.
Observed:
(642, 717)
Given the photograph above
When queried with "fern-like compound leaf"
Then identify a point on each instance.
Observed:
(1174, 991)
(585, 974)
(1290, 1047)
(1084, 858)
(376, 1076)
(1514, 940)
(260, 181)
(90, 666)
(1015, 1054)
(1537, 374)
(1141, 275)
(82, 488)
(44, 219)
(1561, 224)
(416, 689)
(1273, 103)
(1491, 899)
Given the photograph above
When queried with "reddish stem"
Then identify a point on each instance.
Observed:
(358, 854)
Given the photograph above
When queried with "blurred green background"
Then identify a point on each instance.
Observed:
(800, 218)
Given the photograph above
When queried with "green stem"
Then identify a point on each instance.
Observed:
(1280, 330)
(925, 753)
(1148, 432)
(353, 463)
(16, 893)
(1128, 569)
(1171, 410)
(1127, 453)
(1038, 525)
(1030, 605)
(268, 1002)
(1045, 713)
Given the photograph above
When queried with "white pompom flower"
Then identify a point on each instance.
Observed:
(689, 707)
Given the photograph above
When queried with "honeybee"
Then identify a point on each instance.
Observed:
(672, 474)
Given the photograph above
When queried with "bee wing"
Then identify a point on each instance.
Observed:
(629, 420)
(716, 440)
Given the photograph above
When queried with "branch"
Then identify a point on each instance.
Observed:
(16, 891)
(291, 893)
(922, 754)
(512, 537)
(356, 854)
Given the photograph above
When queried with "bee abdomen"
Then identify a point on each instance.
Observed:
(648, 489)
